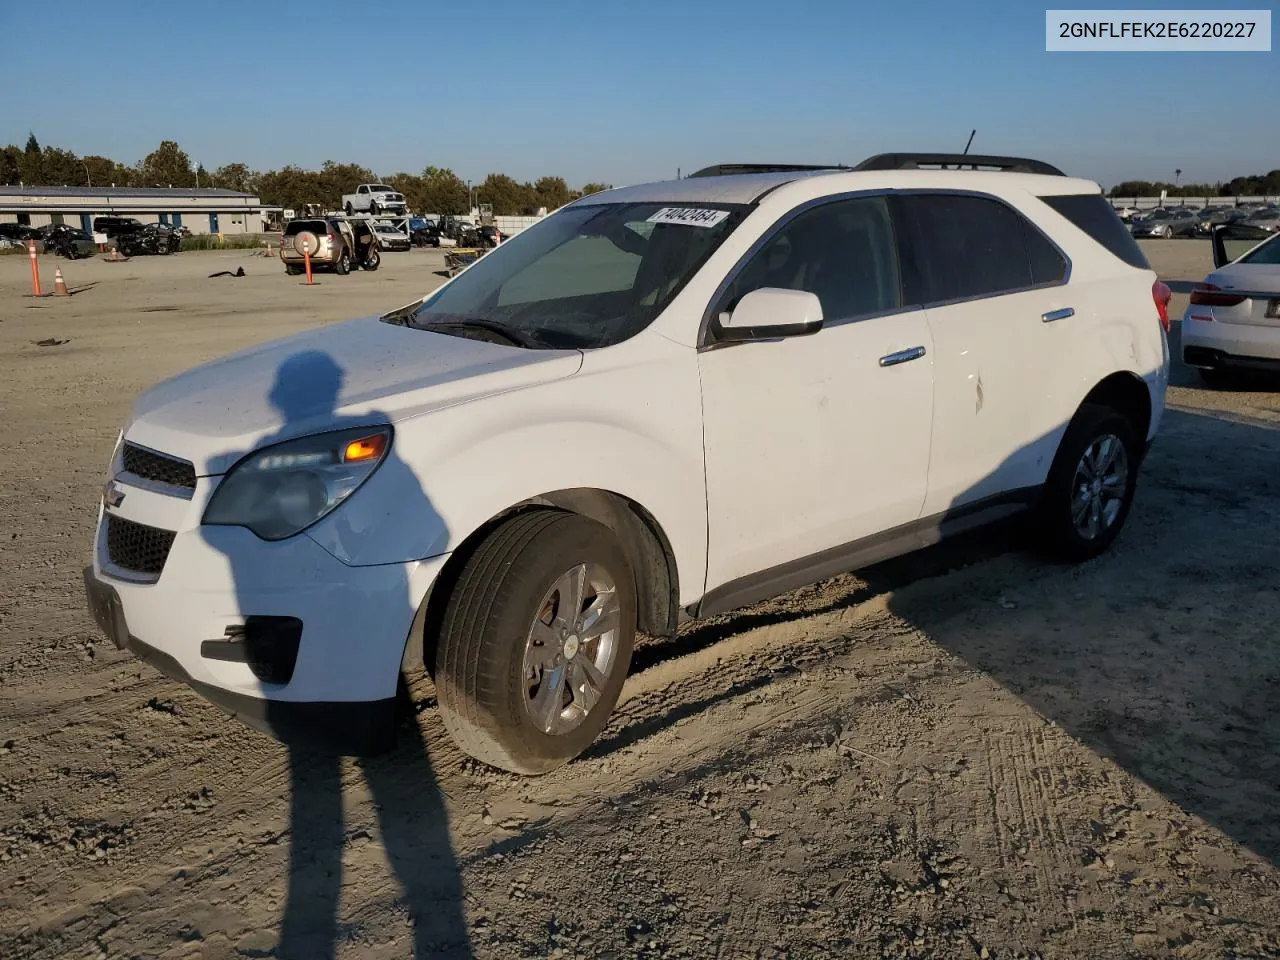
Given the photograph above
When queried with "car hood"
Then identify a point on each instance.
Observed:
(1247, 277)
(354, 373)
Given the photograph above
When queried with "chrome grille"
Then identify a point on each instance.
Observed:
(158, 467)
(137, 547)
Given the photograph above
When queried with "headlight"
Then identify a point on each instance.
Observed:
(281, 490)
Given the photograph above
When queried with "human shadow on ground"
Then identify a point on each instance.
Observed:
(411, 813)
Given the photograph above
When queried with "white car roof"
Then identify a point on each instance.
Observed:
(747, 188)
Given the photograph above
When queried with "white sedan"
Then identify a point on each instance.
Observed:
(390, 237)
(1233, 319)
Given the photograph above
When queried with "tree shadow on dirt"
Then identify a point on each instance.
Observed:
(1162, 654)
(411, 814)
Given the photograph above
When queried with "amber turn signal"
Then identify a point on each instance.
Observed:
(366, 448)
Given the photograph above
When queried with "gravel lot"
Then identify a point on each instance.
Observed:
(968, 753)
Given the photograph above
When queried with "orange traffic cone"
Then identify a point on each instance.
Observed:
(59, 285)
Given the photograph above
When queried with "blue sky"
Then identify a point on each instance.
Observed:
(619, 92)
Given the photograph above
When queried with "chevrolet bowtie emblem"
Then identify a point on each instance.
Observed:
(112, 495)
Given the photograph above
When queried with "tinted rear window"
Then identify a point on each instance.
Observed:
(1093, 214)
(295, 227)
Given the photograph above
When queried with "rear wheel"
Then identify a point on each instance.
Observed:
(349, 208)
(292, 269)
(536, 641)
(374, 261)
(342, 266)
(1091, 484)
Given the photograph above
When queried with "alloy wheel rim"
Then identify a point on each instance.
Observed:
(571, 648)
(1098, 489)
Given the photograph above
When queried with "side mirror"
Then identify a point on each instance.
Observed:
(1231, 241)
(770, 313)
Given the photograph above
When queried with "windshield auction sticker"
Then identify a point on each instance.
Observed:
(689, 217)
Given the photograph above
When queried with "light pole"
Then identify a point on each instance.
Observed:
(471, 204)
(87, 178)
(1177, 175)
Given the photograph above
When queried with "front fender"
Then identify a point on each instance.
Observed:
(629, 426)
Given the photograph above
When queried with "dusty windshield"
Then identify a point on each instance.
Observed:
(587, 276)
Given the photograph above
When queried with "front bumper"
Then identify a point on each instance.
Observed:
(335, 679)
(347, 727)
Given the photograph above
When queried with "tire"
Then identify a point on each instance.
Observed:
(374, 261)
(349, 208)
(485, 659)
(1066, 530)
(292, 269)
(342, 266)
(373, 208)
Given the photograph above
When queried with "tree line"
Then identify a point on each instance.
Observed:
(1261, 185)
(434, 190)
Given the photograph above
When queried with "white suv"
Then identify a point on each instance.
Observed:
(663, 401)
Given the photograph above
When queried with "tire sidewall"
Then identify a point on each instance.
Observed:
(562, 546)
(1089, 424)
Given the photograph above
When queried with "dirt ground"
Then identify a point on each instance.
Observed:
(968, 753)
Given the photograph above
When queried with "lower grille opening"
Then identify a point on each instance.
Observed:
(137, 547)
(269, 645)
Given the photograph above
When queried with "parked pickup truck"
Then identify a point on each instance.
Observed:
(373, 198)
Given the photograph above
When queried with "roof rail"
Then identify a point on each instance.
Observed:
(729, 169)
(915, 161)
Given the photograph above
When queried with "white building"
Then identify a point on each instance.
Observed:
(203, 210)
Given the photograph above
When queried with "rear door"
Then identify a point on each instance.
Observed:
(993, 286)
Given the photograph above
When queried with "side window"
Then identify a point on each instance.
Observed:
(844, 252)
(1048, 265)
(968, 246)
(362, 189)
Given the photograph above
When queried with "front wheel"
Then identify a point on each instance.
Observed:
(1091, 484)
(536, 641)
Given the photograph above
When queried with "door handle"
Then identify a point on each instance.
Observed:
(1062, 314)
(901, 356)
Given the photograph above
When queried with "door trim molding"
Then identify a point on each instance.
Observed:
(865, 552)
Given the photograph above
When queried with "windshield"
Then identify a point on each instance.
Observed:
(588, 276)
(381, 188)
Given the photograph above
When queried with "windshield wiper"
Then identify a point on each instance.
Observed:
(515, 337)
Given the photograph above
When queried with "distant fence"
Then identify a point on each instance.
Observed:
(1195, 203)
(513, 225)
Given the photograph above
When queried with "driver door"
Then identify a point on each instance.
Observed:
(813, 444)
